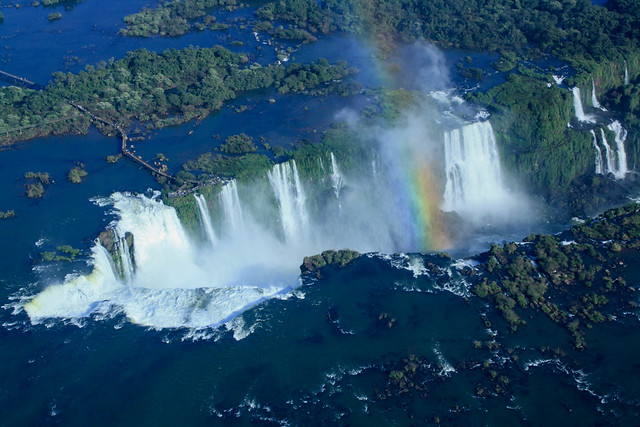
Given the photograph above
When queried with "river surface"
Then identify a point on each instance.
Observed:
(286, 350)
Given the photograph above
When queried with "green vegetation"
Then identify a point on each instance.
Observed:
(43, 177)
(174, 18)
(54, 16)
(242, 167)
(312, 264)
(62, 253)
(7, 214)
(156, 90)
(113, 159)
(35, 190)
(568, 29)
(626, 100)
(36, 186)
(77, 174)
(238, 144)
(530, 120)
(569, 282)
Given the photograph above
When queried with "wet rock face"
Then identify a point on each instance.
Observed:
(107, 239)
(114, 246)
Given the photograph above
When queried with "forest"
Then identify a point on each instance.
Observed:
(154, 89)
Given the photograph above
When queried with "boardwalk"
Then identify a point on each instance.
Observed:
(19, 80)
(124, 148)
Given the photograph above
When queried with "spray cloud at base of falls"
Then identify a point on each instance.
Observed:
(252, 236)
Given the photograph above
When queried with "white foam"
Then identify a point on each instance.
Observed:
(173, 285)
(579, 110)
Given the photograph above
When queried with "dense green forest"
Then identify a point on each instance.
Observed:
(174, 18)
(155, 89)
(573, 284)
(573, 30)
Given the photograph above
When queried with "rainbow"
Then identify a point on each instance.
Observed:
(418, 187)
(423, 198)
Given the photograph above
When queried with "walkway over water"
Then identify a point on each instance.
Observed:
(20, 80)
(124, 148)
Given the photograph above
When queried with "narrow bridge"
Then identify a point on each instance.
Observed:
(124, 148)
(124, 138)
(19, 80)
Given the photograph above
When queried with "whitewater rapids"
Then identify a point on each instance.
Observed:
(175, 284)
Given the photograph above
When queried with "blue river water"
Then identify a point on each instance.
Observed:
(321, 353)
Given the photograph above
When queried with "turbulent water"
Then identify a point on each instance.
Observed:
(205, 218)
(249, 253)
(598, 159)
(254, 236)
(621, 168)
(579, 109)
(210, 322)
(174, 285)
(607, 158)
(614, 160)
(474, 183)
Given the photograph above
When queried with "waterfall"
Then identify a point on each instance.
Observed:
(175, 284)
(577, 105)
(231, 208)
(321, 164)
(291, 198)
(621, 136)
(336, 178)
(610, 161)
(205, 218)
(594, 98)
(599, 164)
(626, 73)
(472, 167)
(615, 161)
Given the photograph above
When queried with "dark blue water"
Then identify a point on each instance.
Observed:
(325, 353)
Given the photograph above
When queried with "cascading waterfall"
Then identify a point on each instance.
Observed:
(609, 155)
(472, 166)
(620, 137)
(598, 160)
(336, 178)
(626, 73)
(205, 218)
(613, 161)
(175, 284)
(288, 190)
(577, 105)
(594, 98)
(231, 208)
(179, 283)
